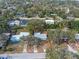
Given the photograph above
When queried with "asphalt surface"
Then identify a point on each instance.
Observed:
(24, 56)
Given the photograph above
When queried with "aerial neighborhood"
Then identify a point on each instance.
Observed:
(39, 29)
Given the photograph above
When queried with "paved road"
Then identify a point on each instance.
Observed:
(25, 56)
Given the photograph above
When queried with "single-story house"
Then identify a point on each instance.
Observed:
(17, 38)
(40, 36)
(49, 22)
(18, 22)
(70, 18)
(23, 22)
(13, 22)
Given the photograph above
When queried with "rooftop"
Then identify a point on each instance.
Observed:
(16, 38)
(40, 35)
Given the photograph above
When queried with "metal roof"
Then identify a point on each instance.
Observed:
(15, 38)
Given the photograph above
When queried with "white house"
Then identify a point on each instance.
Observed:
(49, 22)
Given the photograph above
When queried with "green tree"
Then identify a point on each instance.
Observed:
(55, 53)
(58, 52)
(36, 26)
(56, 36)
(32, 41)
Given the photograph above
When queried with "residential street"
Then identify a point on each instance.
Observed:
(24, 56)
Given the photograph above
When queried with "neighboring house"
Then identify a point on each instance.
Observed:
(49, 22)
(23, 22)
(18, 22)
(70, 17)
(17, 38)
(13, 22)
(40, 36)
(77, 37)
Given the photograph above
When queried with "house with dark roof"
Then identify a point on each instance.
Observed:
(23, 22)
